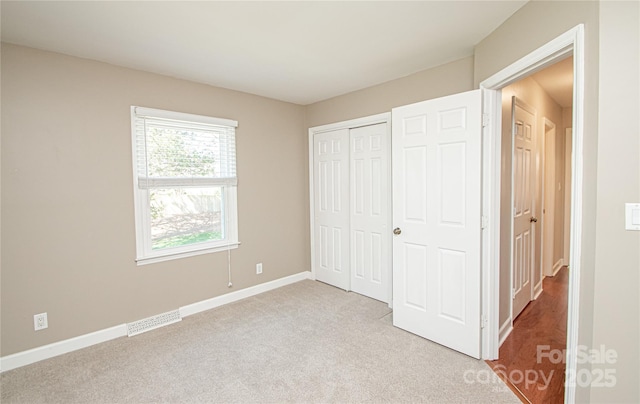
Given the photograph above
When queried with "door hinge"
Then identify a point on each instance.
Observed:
(483, 322)
(513, 293)
(484, 222)
(486, 119)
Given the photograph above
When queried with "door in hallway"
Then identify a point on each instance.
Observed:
(524, 192)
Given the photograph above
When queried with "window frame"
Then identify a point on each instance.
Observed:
(142, 209)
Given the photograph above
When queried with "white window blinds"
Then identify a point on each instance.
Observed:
(183, 150)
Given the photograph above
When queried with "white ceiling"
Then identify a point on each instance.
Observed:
(296, 51)
(557, 81)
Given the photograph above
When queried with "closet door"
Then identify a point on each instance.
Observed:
(331, 207)
(370, 211)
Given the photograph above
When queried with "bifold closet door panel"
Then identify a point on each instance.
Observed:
(331, 207)
(370, 233)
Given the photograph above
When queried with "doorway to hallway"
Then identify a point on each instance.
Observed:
(534, 323)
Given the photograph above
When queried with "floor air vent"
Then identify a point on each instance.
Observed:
(151, 323)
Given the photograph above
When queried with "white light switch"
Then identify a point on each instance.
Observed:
(632, 216)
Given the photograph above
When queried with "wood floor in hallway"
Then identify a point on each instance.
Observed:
(532, 357)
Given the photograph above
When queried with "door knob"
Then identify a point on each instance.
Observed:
(397, 231)
(533, 219)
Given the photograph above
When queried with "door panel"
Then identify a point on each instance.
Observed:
(331, 207)
(414, 282)
(370, 217)
(451, 166)
(436, 190)
(523, 131)
(452, 273)
(414, 178)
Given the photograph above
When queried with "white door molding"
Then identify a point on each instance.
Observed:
(567, 195)
(548, 196)
(571, 42)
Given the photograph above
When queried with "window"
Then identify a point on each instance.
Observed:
(185, 184)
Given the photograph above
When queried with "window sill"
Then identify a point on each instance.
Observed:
(184, 254)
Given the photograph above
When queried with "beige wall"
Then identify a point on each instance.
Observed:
(67, 199)
(530, 92)
(67, 196)
(616, 316)
(567, 119)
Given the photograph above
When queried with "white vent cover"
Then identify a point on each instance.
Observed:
(153, 322)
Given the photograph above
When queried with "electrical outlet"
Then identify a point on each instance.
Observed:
(40, 321)
(259, 268)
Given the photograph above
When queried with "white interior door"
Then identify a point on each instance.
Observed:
(436, 150)
(331, 207)
(370, 211)
(524, 152)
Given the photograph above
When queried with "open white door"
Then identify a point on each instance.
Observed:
(436, 148)
(331, 206)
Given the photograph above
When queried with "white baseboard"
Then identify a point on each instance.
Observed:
(504, 331)
(242, 294)
(537, 289)
(62, 347)
(83, 341)
(556, 267)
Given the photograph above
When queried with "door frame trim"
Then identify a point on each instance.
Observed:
(349, 124)
(571, 42)
(546, 220)
(568, 146)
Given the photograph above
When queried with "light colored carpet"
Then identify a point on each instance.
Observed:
(306, 342)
